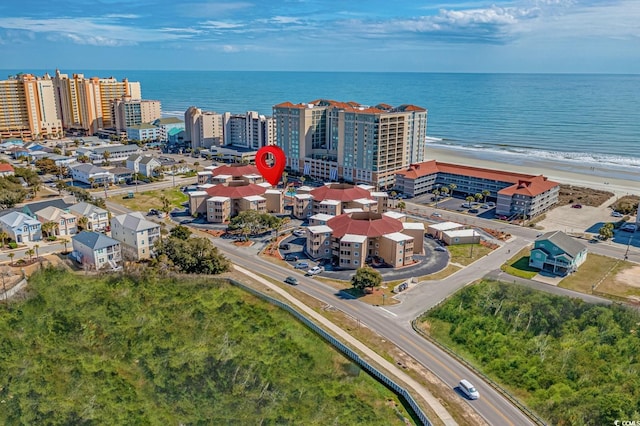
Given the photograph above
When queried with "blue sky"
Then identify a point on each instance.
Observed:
(593, 36)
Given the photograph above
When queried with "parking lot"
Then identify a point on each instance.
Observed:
(434, 259)
(480, 209)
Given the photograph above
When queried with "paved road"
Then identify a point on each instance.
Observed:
(393, 324)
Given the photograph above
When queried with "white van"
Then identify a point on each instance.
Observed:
(468, 389)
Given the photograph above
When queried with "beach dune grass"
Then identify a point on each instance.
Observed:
(122, 349)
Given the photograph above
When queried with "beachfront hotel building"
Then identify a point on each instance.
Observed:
(86, 104)
(28, 108)
(129, 112)
(354, 239)
(515, 193)
(337, 198)
(205, 129)
(250, 130)
(346, 141)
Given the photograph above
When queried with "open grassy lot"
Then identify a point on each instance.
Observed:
(570, 194)
(143, 201)
(600, 272)
(130, 350)
(518, 265)
(465, 254)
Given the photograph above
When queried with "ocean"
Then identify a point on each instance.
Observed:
(574, 118)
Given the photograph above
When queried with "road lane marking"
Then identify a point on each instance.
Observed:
(395, 315)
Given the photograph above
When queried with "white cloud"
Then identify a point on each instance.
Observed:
(221, 25)
(98, 31)
(285, 20)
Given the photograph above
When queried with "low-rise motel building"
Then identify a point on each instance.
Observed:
(225, 191)
(356, 238)
(514, 193)
(337, 198)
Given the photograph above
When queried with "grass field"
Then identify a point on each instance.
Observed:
(131, 350)
(518, 265)
(143, 201)
(465, 254)
(600, 272)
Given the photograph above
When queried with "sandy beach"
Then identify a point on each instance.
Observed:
(620, 181)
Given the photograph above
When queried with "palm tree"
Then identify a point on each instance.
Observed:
(452, 187)
(444, 190)
(30, 253)
(478, 196)
(402, 205)
(196, 164)
(49, 228)
(65, 242)
(3, 236)
(11, 256)
(83, 222)
(92, 181)
(166, 205)
(36, 247)
(470, 199)
(486, 193)
(436, 193)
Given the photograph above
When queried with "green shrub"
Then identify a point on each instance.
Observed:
(13, 245)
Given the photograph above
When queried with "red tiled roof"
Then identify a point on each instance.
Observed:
(352, 106)
(532, 187)
(6, 167)
(339, 192)
(235, 190)
(364, 223)
(235, 170)
(522, 183)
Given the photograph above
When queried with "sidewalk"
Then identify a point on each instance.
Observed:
(433, 402)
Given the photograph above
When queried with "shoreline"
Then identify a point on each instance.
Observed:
(618, 180)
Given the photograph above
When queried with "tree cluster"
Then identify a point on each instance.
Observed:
(191, 255)
(366, 277)
(251, 222)
(572, 362)
(11, 192)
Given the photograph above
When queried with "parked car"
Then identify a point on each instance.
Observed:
(315, 270)
(484, 206)
(299, 233)
(436, 214)
(629, 227)
(291, 258)
(616, 214)
(501, 217)
(440, 248)
(291, 280)
(491, 204)
(302, 265)
(285, 246)
(474, 211)
(576, 206)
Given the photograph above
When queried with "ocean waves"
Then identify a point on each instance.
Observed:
(516, 154)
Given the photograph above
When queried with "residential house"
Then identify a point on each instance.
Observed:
(113, 152)
(31, 208)
(136, 234)
(90, 174)
(96, 250)
(558, 253)
(121, 174)
(6, 169)
(97, 218)
(66, 222)
(20, 227)
(143, 164)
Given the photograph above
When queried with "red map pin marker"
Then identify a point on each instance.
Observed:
(271, 173)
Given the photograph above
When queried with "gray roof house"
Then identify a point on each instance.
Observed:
(558, 253)
(97, 218)
(136, 234)
(96, 251)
